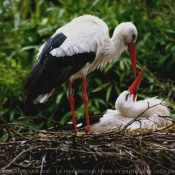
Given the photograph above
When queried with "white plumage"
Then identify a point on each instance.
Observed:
(84, 34)
(148, 111)
(90, 34)
(75, 50)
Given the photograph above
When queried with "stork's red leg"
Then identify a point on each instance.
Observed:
(71, 101)
(85, 100)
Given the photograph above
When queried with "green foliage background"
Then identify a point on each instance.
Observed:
(25, 25)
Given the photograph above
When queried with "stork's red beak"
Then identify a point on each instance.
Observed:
(132, 52)
(135, 83)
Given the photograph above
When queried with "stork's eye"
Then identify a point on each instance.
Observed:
(133, 37)
(126, 98)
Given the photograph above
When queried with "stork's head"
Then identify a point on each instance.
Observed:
(127, 33)
(126, 100)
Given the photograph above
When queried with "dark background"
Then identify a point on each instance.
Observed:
(25, 25)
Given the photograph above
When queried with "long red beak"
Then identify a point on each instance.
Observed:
(132, 52)
(135, 83)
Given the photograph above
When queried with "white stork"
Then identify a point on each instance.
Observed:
(75, 50)
(140, 114)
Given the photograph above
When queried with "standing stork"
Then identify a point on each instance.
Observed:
(129, 113)
(75, 50)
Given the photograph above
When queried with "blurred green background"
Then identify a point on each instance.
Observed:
(25, 25)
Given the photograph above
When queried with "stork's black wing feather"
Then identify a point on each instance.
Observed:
(54, 42)
(49, 71)
(82, 122)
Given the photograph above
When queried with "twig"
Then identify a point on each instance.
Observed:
(150, 11)
(167, 38)
(170, 7)
(135, 119)
(19, 156)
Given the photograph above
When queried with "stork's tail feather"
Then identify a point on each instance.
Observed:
(32, 88)
(31, 83)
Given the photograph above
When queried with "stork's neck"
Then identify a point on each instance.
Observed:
(112, 50)
(114, 47)
(108, 50)
(144, 108)
(134, 109)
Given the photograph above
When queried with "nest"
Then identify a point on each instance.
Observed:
(26, 150)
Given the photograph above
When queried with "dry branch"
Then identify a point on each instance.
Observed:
(33, 151)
